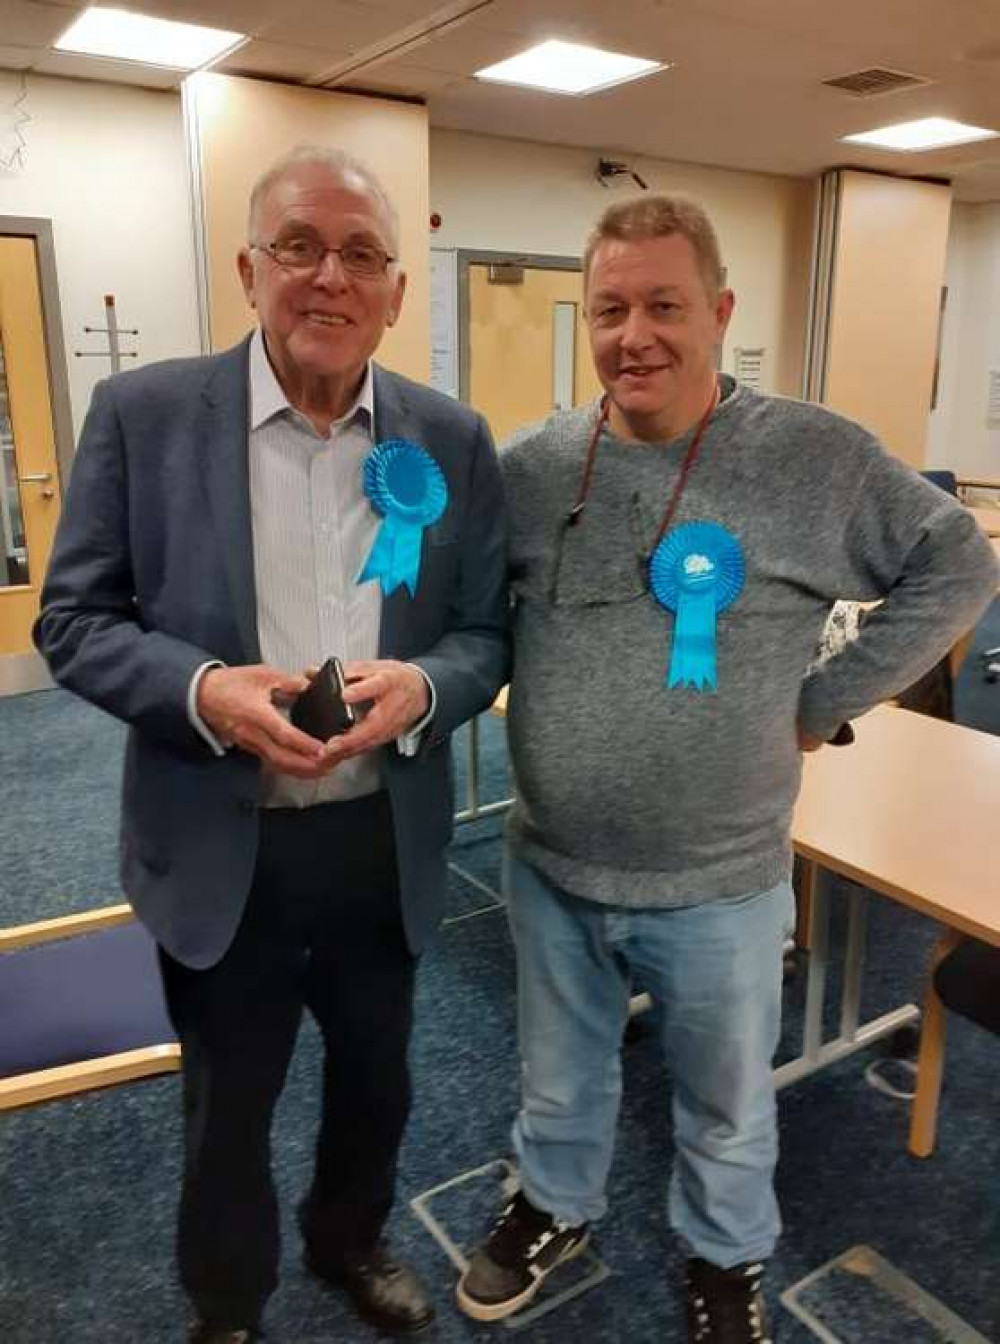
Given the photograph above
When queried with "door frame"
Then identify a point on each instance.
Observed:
(26, 226)
(466, 257)
(20, 672)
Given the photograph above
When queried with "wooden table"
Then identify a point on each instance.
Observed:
(988, 519)
(911, 811)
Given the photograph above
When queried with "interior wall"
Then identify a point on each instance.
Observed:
(515, 195)
(105, 163)
(961, 436)
(889, 267)
(245, 124)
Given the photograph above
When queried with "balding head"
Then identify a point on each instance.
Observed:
(342, 167)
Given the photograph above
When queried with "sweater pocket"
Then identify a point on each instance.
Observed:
(598, 560)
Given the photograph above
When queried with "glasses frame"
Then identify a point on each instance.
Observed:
(271, 250)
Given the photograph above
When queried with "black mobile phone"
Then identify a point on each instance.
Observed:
(321, 710)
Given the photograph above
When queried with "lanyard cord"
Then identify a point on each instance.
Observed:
(573, 517)
(690, 457)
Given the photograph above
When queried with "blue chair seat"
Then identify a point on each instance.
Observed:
(80, 999)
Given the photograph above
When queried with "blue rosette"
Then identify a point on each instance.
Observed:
(407, 487)
(697, 571)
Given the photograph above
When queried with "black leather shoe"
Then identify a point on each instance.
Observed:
(385, 1293)
(212, 1334)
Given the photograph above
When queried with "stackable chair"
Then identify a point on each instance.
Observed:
(944, 480)
(81, 1007)
(964, 979)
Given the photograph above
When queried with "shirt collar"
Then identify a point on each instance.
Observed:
(267, 397)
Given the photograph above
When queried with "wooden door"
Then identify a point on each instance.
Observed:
(29, 474)
(513, 347)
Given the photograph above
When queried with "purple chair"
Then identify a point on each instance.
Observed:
(81, 1007)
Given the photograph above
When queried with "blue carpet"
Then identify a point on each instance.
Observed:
(977, 701)
(60, 767)
(89, 1185)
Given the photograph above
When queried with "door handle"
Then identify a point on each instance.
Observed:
(42, 478)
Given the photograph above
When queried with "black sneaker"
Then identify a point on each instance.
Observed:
(726, 1306)
(507, 1271)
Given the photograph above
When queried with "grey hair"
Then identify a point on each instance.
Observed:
(342, 166)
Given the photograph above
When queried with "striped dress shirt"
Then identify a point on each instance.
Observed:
(312, 530)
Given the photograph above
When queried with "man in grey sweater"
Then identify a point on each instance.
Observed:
(675, 552)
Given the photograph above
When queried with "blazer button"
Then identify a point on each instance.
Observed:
(247, 805)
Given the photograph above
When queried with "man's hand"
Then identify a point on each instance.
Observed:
(399, 696)
(843, 737)
(809, 743)
(238, 704)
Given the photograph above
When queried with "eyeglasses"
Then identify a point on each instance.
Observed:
(367, 261)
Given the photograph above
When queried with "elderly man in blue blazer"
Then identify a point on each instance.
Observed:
(230, 522)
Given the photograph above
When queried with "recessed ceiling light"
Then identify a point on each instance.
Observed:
(928, 133)
(568, 67)
(125, 36)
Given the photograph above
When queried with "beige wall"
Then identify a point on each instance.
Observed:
(244, 124)
(962, 437)
(105, 163)
(888, 271)
(518, 196)
(122, 215)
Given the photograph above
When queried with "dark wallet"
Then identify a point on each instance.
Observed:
(320, 711)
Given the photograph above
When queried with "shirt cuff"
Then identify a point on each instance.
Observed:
(408, 743)
(194, 718)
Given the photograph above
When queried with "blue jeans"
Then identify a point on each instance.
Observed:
(715, 972)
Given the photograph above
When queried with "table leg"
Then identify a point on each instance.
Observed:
(930, 1062)
(817, 1053)
(474, 810)
(817, 884)
(854, 963)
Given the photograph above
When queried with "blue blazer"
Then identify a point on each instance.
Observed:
(152, 574)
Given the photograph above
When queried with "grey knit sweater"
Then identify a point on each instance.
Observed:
(635, 794)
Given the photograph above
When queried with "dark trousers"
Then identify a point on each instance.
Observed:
(322, 930)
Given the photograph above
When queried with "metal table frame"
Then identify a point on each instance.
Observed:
(816, 1052)
(853, 1035)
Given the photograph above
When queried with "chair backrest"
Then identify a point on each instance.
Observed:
(968, 982)
(944, 480)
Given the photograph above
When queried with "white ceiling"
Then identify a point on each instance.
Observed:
(744, 90)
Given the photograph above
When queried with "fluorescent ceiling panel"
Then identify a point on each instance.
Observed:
(568, 67)
(125, 36)
(928, 133)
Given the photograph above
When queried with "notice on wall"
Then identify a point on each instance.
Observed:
(444, 320)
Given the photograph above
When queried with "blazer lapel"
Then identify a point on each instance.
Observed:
(393, 420)
(225, 458)
(393, 416)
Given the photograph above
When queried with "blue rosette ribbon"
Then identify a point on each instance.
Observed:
(407, 487)
(697, 571)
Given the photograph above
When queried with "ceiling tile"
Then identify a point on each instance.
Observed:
(70, 66)
(277, 60)
(397, 77)
(32, 25)
(18, 58)
(745, 92)
(338, 25)
(240, 16)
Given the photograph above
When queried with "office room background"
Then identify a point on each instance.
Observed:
(844, 308)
